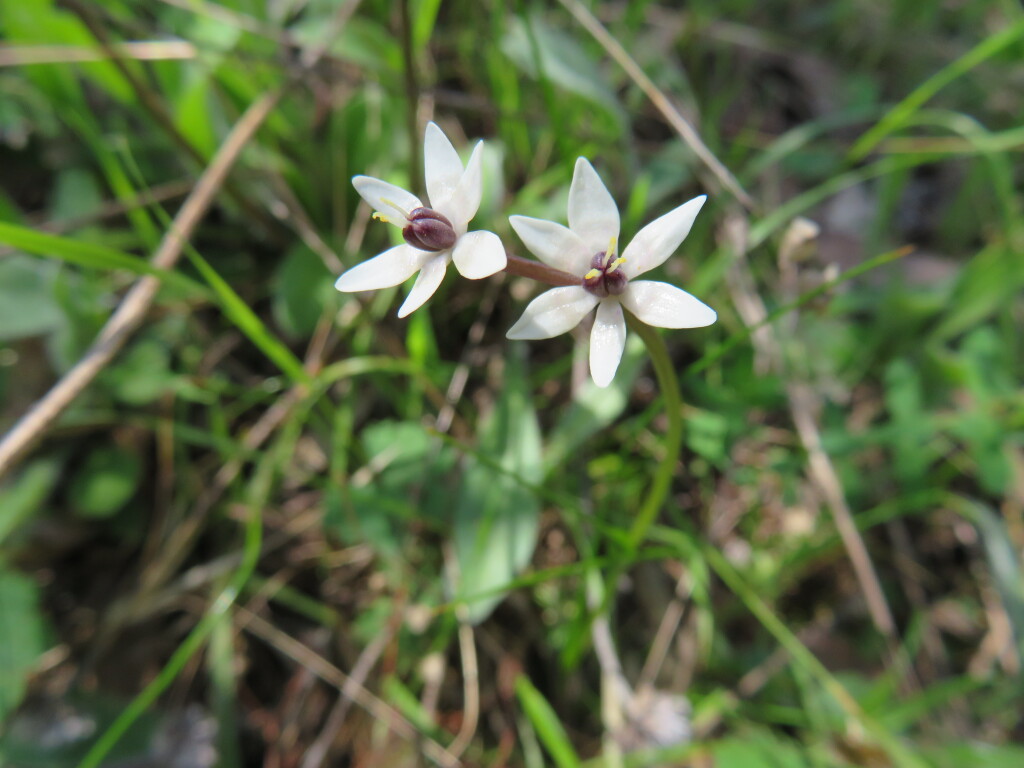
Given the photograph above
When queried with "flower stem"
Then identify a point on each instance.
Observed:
(668, 383)
(536, 270)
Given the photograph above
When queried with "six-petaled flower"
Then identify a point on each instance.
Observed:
(434, 234)
(588, 249)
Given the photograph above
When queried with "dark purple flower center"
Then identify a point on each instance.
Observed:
(429, 230)
(605, 277)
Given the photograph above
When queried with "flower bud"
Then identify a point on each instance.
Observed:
(429, 230)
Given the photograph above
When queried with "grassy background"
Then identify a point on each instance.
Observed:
(284, 528)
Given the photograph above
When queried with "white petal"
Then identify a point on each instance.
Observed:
(607, 340)
(553, 312)
(479, 254)
(666, 306)
(392, 267)
(553, 244)
(394, 202)
(429, 279)
(593, 214)
(441, 165)
(461, 206)
(659, 239)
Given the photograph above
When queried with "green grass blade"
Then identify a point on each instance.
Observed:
(897, 116)
(248, 322)
(546, 723)
(89, 255)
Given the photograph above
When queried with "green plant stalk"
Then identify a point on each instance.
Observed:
(668, 383)
(897, 116)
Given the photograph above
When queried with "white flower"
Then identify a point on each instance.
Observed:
(587, 248)
(434, 235)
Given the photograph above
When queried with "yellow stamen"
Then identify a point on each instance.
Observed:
(616, 264)
(378, 216)
(395, 206)
(592, 274)
(611, 251)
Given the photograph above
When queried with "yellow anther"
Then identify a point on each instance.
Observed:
(378, 216)
(616, 264)
(592, 274)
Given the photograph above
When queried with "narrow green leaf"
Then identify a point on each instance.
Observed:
(22, 636)
(496, 515)
(238, 312)
(547, 724)
(899, 114)
(88, 255)
(22, 498)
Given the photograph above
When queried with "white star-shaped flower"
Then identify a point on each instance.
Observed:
(433, 235)
(587, 248)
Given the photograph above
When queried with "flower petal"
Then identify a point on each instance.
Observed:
(429, 279)
(394, 202)
(392, 267)
(553, 312)
(666, 306)
(593, 214)
(553, 244)
(441, 165)
(607, 340)
(461, 206)
(659, 239)
(479, 254)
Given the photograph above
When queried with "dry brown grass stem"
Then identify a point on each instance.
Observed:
(803, 406)
(158, 50)
(348, 686)
(663, 104)
(130, 313)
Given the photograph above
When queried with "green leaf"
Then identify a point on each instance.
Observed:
(247, 321)
(1003, 560)
(912, 426)
(985, 286)
(76, 194)
(562, 61)
(27, 304)
(496, 514)
(405, 462)
(302, 287)
(977, 756)
(88, 255)
(360, 41)
(105, 482)
(547, 724)
(758, 751)
(23, 498)
(142, 374)
(424, 19)
(22, 636)
(595, 408)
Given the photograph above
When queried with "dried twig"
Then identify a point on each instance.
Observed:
(317, 752)
(133, 308)
(319, 666)
(802, 405)
(470, 672)
(681, 125)
(157, 50)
